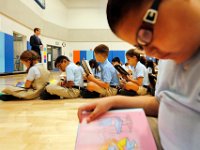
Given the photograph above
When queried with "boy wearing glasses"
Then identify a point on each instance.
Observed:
(168, 32)
(74, 80)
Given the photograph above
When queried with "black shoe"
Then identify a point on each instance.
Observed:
(46, 96)
(127, 92)
(5, 97)
(87, 94)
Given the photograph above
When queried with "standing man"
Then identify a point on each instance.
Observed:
(36, 44)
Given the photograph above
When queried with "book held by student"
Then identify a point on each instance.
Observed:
(126, 129)
(87, 67)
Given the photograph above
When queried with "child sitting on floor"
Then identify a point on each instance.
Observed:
(69, 88)
(109, 82)
(36, 80)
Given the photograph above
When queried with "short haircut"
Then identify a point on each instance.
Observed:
(36, 29)
(132, 53)
(117, 10)
(60, 59)
(126, 64)
(102, 49)
(116, 59)
(78, 63)
(143, 60)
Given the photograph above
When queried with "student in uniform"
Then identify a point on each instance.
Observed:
(108, 85)
(36, 80)
(139, 82)
(116, 61)
(175, 40)
(74, 80)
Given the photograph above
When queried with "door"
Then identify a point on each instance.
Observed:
(52, 53)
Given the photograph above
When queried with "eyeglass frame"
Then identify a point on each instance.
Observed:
(148, 22)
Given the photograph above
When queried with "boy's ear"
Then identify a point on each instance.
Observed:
(105, 55)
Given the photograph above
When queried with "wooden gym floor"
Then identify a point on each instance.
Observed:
(37, 124)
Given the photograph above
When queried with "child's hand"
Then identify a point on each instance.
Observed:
(98, 108)
(90, 77)
(84, 76)
(63, 84)
(129, 78)
(41, 47)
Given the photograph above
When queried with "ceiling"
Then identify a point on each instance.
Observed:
(85, 3)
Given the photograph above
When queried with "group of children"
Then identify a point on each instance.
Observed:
(105, 81)
(160, 29)
(176, 42)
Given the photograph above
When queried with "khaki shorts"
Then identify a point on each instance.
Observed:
(142, 90)
(63, 92)
(109, 92)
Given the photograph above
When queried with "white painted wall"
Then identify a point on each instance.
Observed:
(55, 12)
(71, 18)
(91, 45)
(89, 18)
(88, 27)
(9, 26)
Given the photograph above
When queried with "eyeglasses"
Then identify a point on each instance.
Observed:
(145, 33)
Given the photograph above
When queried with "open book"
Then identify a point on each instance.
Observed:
(20, 84)
(87, 67)
(121, 70)
(126, 129)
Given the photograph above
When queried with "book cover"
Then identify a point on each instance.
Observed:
(116, 130)
(121, 70)
(20, 84)
(86, 67)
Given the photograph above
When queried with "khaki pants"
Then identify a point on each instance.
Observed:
(63, 92)
(109, 92)
(142, 90)
(153, 123)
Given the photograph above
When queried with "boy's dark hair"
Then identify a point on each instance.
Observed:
(93, 64)
(118, 9)
(60, 59)
(143, 60)
(102, 49)
(126, 64)
(78, 63)
(132, 53)
(36, 29)
(116, 59)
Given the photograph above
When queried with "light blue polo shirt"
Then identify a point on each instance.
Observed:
(109, 73)
(178, 90)
(140, 71)
(74, 74)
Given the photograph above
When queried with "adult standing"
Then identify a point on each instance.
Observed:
(35, 41)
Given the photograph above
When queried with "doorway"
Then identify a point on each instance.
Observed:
(52, 53)
(19, 47)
